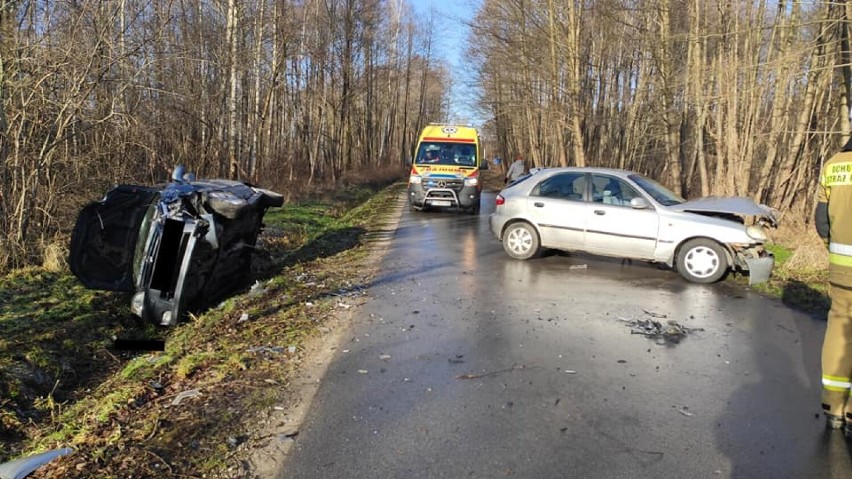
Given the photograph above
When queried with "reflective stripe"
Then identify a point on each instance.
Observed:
(840, 248)
(840, 259)
(839, 384)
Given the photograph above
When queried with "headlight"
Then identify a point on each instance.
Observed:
(415, 179)
(137, 303)
(471, 181)
(756, 232)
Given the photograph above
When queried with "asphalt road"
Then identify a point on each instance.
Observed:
(469, 364)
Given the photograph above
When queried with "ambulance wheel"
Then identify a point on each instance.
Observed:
(702, 260)
(520, 241)
(473, 210)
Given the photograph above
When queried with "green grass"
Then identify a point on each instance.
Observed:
(804, 289)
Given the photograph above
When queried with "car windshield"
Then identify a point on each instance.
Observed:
(446, 153)
(660, 193)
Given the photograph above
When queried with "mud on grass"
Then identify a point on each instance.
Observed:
(65, 386)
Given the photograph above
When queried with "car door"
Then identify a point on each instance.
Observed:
(104, 239)
(556, 206)
(613, 227)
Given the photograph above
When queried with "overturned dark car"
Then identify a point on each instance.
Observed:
(178, 248)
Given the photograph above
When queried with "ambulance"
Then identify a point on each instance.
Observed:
(445, 171)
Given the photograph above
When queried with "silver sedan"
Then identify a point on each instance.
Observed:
(626, 215)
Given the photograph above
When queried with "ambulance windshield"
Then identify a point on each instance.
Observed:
(446, 153)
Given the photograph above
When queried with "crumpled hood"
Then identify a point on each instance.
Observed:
(736, 205)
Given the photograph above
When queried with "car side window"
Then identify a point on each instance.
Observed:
(612, 191)
(564, 186)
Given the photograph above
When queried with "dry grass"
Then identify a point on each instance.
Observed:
(808, 251)
(53, 257)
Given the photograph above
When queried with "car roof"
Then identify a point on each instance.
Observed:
(588, 169)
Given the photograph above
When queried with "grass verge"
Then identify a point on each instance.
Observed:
(182, 412)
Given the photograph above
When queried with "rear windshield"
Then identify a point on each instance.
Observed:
(446, 153)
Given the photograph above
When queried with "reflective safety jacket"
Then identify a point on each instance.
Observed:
(833, 216)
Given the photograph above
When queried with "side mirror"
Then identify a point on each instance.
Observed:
(408, 161)
(639, 203)
(483, 164)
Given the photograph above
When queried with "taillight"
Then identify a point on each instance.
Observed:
(500, 200)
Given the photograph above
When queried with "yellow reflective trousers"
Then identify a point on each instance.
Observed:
(837, 354)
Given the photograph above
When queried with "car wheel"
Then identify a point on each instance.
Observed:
(521, 241)
(473, 210)
(702, 261)
(232, 207)
(271, 198)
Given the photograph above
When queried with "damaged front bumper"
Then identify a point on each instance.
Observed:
(755, 259)
(759, 269)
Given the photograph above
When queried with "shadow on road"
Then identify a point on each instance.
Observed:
(800, 296)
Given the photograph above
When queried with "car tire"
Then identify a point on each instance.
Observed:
(473, 210)
(271, 198)
(231, 209)
(521, 241)
(702, 260)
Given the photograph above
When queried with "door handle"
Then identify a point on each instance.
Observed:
(600, 212)
(538, 204)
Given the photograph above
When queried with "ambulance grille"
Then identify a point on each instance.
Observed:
(451, 183)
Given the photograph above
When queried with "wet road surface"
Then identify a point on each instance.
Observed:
(467, 363)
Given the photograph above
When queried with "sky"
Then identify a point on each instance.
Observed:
(451, 18)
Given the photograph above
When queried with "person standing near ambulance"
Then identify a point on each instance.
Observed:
(516, 170)
(833, 220)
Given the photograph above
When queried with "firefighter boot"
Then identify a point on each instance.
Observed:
(833, 421)
(847, 429)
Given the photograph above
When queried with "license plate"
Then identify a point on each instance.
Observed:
(441, 203)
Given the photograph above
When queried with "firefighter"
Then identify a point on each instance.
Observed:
(833, 220)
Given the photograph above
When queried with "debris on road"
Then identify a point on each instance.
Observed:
(685, 412)
(579, 266)
(462, 377)
(672, 331)
(653, 314)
